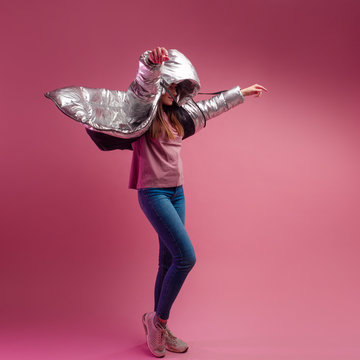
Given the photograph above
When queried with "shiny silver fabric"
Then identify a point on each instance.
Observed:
(179, 70)
(129, 114)
(204, 110)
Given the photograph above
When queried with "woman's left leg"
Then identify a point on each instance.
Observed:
(164, 263)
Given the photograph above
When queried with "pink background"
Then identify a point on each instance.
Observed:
(272, 187)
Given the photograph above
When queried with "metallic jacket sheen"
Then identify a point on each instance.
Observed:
(128, 114)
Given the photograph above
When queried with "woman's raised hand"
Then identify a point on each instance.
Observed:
(158, 55)
(253, 90)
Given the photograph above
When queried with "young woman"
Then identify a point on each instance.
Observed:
(156, 173)
(152, 118)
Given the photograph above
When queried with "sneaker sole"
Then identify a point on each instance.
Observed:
(178, 352)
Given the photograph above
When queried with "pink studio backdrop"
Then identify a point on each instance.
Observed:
(272, 187)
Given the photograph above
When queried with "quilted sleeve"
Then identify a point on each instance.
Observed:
(147, 81)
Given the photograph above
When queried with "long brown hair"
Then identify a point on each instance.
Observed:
(160, 126)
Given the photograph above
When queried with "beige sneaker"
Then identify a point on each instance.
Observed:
(173, 343)
(155, 335)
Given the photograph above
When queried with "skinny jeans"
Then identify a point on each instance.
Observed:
(165, 209)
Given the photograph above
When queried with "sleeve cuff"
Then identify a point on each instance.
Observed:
(233, 97)
(145, 59)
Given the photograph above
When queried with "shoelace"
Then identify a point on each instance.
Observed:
(160, 335)
(171, 335)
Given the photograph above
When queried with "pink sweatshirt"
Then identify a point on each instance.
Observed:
(156, 162)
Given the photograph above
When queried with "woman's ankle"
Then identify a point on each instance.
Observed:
(160, 321)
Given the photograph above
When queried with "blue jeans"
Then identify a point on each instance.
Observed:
(165, 209)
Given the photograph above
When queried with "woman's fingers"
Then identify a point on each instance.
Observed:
(259, 86)
(257, 90)
(154, 56)
(162, 54)
(165, 54)
(159, 55)
(151, 57)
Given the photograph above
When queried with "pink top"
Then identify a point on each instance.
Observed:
(156, 162)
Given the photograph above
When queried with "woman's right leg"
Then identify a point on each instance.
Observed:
(165, 257)
(163, 215)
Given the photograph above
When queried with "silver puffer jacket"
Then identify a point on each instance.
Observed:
(128, 114)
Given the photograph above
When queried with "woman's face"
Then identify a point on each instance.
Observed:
(166, 98)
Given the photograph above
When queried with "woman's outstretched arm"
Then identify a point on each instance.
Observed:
(204, 110)
(226, 100)
(220, 103)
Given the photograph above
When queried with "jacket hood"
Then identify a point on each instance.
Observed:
(179, 70)
(128, 114)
